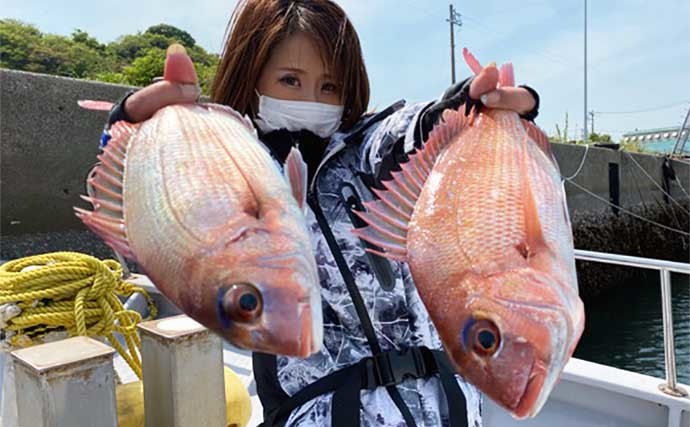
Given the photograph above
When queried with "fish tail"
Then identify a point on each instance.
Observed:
(89, 104)
(471, 61)
(506, 77)
(505, 73)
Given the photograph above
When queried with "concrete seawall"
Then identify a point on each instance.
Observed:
(48, 145)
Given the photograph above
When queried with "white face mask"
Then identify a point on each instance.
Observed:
(319, 118)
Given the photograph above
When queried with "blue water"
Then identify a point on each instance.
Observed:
(625, 329)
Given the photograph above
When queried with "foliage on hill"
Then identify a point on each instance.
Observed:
(133, 59)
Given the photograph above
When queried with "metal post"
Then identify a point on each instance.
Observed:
(585, 126)
(451, 18)
(65, 383)
(591, 113)
(671, 387)
(183, 374)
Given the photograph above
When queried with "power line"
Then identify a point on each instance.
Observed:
(646, 110)
(480, 26)
(640, 217)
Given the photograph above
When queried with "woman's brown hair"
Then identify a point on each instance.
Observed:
(257, 26)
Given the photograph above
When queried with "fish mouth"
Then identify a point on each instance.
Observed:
(312, 324)
(544, 375)
(534, 394)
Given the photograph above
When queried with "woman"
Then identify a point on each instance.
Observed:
(296, 68)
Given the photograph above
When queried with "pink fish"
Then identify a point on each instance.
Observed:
(479, 215)
(196, 200)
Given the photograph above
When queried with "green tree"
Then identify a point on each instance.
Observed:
(60, 56)
(82, 37)
(599, 137)
(129, 47)
(110, 77)
(142, 71)
(133, 59)
(17, 42)
(172, 33)
(205, 73)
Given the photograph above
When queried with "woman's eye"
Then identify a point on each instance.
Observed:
(290, 81)
(329, 87)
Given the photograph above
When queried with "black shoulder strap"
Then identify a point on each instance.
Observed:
(382, 370)
(271, 394)
(360, 307)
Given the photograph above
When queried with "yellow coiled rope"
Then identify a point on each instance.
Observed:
(74, 292)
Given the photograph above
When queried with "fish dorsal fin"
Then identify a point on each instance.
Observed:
(534, 236)
(89, 104)
(295, 172)
(104, 188)
(388, 217)
(540, 138)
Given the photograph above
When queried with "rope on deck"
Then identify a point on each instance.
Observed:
(72, 292)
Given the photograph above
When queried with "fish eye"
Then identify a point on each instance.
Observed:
(486, 339)
(241, 302)
(482, 336)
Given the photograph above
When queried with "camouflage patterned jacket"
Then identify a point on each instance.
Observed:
(350, 164)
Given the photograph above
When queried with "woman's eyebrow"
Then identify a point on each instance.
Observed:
(326, 76)
(292, 69)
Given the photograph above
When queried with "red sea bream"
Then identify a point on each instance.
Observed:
(479, 215)
(197, 201)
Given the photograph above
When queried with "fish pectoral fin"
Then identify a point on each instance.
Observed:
(104, 188)
(295, 172)
(239, 227)
(534, 234)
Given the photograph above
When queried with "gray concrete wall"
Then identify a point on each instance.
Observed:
(48, 144)
(636, 188)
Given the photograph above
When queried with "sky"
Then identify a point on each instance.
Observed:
(638, 51)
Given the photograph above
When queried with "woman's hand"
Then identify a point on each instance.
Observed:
(483, 87)
(481, 90)
(180, 86)
(142, 104)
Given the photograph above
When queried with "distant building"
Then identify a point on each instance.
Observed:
(660, 140)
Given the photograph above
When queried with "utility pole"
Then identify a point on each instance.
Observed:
(453, 19)
(585, 126)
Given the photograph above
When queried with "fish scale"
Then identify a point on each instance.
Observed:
(485, 231)
(196, 200)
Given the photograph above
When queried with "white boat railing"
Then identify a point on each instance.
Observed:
(665, 268)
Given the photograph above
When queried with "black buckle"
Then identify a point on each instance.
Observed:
(392, 367)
